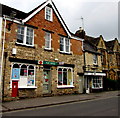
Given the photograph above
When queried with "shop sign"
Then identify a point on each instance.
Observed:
(40, 62)
(47, 63)
(50, 63)
(16, 73)
(61, 63)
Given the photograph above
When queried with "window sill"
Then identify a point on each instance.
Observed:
(26, 87)
(47, 49)
(66, 86)
(68, 53)
(25, 45)
(98, 88)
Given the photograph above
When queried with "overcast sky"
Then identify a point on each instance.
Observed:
(100, 16)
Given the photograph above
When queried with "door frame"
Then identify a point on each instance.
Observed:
(47, 68)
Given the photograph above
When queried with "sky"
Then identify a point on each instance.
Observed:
(100, 17)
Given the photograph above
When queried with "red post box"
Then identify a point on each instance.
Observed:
(14, 88)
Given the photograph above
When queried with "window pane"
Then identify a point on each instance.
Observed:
(61, 44)
(30, 76)
(67, 43)
(23, 71)
(70, 77)
(64, 76)
(48, 13)
(29, 36)
(20, 34)
(15, 66)
(60, 77)
(47, 40)
(31, 70)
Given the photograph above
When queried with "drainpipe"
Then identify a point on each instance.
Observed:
(0, 52)
(84, 68)
(2, 55)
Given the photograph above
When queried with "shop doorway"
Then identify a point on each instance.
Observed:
(81, 84)
(47, 80)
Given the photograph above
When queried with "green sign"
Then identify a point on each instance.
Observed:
(50, 63)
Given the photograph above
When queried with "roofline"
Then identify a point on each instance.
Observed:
(56, 11)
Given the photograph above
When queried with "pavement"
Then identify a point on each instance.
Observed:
(55, 100)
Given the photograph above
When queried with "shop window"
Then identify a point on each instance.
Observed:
(65, 76)
(97, 82)
(25, 35)
(25, 74)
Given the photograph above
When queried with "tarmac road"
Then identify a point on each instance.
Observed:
(98, 107)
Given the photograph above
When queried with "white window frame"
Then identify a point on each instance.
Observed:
(65, 86)
(65, 44)
(50, 15)
(22, 77)
(98, 82)
(48, 40)
(25, 36)
(95, 60)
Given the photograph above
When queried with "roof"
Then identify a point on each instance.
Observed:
(89, 47)
(81, 33)
(110, 45)
(6, 10)
(93, 40)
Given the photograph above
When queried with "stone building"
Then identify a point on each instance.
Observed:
(93, 74)
(110, 54)
(41, 56)
(113, 48)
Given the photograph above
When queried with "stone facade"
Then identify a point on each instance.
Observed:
(27, 55)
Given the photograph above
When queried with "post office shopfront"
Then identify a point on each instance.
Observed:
(40, 77)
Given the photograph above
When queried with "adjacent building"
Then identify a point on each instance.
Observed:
(93, 74)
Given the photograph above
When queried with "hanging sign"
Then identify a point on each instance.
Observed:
(16, 73)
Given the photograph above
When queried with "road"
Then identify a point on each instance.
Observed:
(98, 107)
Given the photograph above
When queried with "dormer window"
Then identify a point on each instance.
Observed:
(25, 35)
(48, 14)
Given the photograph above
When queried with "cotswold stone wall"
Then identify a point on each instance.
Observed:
(38, 52)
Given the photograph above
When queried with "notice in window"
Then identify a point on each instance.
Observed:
(16, 73)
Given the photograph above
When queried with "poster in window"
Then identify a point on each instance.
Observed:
(16, 73)
(30, 80)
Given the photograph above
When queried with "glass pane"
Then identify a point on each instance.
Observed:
(48, 13)
(31, 70)
(61, 44)
(15, 66)
(23, 71)
(69, 77)
(64, 76)
(30, 76)
(47, 40)
(29, 36)
(59, 76)
(20, 34)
